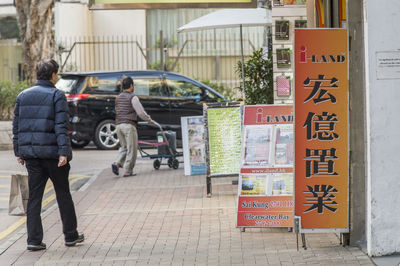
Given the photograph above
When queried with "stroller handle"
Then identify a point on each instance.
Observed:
(159, 126)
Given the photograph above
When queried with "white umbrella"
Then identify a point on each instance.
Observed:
(229, 18)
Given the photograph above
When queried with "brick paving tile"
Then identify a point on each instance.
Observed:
(286, 263)
(273, 261)
(164, 218)
(366, 263)
(340, 263)
(141, 263)
(352, 262)
(316, 263)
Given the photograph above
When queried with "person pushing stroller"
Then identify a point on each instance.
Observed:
(128, 108)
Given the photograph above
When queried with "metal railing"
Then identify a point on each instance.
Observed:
(202, 57)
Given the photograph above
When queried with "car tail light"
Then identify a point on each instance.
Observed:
(76, 97)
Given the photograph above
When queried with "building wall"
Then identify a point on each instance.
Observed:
(382, 34)
(7, 8)
(65, 26)
(290, 14)
(10, 56)
(10, 50)
(99, 40)
(98, 22)
(374, 131)
(119, 22)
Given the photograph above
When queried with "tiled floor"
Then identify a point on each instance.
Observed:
(164, 218)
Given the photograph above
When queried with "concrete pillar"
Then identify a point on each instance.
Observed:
(382, 108)
(357, 124)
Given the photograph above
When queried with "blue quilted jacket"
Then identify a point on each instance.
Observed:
(40, 124)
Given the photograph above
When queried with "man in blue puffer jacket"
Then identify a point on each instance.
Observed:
(41, 140)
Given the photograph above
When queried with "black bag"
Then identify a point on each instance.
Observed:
(170, 138)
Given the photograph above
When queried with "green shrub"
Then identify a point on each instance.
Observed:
(169, 66)
(9, 92)
(258, 79)
(166, 43)
(228, 93)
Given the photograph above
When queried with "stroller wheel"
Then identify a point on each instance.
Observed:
(170, 162)
(175, 164)
(156, 164)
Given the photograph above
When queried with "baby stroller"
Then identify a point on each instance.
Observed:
(166, 149)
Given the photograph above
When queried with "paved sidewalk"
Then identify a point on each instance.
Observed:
(164, 218)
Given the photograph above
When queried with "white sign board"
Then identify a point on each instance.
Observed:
(388, 65)
(193, 145)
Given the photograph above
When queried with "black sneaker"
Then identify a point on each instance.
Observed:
(80, 239)
(114, 168)
(32, 247)
(129, 174)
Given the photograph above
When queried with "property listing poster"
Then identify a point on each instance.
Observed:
(321, 107)
(284, 145)
(258, 144)
(265, 192)
(193, 145)
(224, 138)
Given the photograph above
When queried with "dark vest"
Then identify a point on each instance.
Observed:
(124, 110)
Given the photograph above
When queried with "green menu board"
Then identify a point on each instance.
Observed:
(224, 138)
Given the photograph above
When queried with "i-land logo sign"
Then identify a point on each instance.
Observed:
(324, 58)
(262, 118)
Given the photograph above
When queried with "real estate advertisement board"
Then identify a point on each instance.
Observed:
(265, 191)
(321, 126)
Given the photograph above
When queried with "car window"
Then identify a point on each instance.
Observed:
(181, 88)
(100, 85)
(212, 95)
(145, 86)
(67, 84)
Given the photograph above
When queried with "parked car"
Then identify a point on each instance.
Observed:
(165, 96)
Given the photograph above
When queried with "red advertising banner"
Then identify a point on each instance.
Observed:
(265, 193)
(321, 133)
(268, 114)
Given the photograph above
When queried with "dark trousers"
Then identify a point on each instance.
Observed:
(39, 171)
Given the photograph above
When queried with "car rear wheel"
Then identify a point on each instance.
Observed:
(79, 144)
(106, 135)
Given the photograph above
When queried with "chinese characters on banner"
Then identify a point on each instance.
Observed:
(265, 191)
(321, 120)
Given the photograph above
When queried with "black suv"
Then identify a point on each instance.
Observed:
(165, 96)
